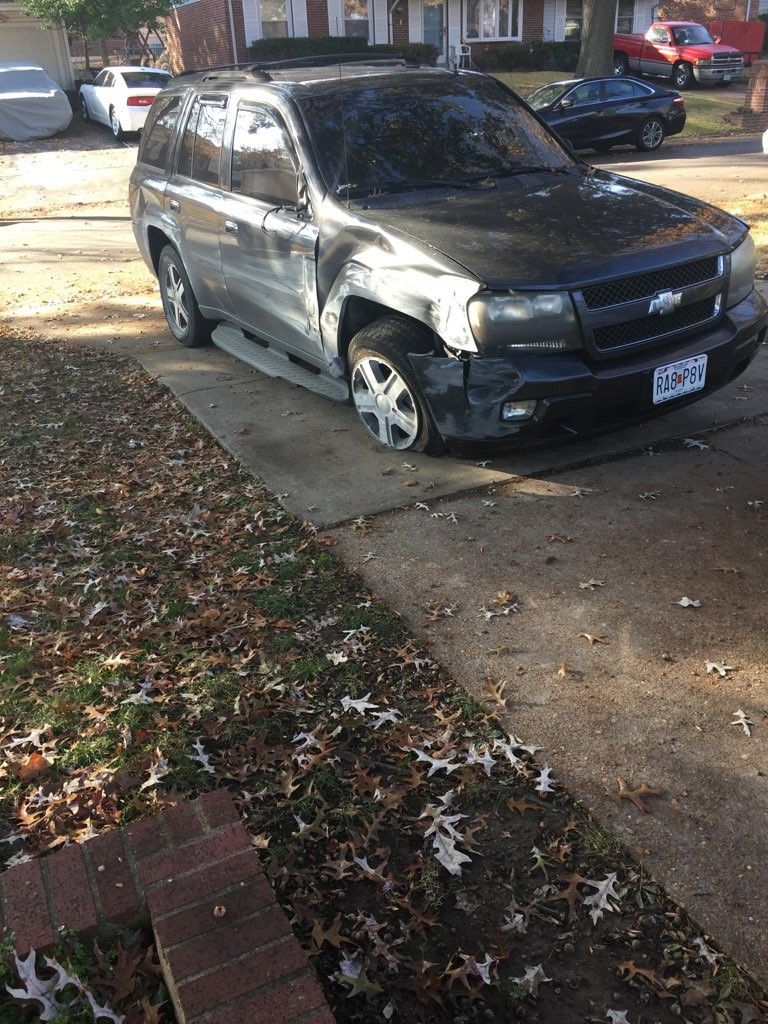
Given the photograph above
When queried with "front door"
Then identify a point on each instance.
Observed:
(435, 26)
(267, 245)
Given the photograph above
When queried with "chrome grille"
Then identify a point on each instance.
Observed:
(632, 332)
(644, 286)
(730, 61)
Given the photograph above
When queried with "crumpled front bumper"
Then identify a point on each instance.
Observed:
(576, 397)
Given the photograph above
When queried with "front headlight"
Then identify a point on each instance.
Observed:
(743, 267)
(524, 321)
(705, 62)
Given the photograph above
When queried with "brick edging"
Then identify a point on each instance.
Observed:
(226, 948)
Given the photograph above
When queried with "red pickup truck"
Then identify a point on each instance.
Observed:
(681, 50)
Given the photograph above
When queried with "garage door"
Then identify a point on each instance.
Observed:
(22, 39)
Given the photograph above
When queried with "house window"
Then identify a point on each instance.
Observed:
(573, 18)
(625, 15)
(274, 19)
(356, 18)
(493, 19)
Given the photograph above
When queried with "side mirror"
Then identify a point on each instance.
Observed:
(564, 104)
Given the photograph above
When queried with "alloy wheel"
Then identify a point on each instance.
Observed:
(652, 134)
(176, 300)
(385, 403)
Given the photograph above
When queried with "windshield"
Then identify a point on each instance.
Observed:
(25, 80)
(447, 129)
(691, 35)
(547, 94)
(145, 79)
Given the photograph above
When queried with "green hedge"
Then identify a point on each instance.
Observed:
(536, 56)
(303, 46)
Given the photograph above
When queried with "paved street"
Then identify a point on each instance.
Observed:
(641, 705)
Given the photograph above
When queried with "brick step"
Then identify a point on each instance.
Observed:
(226, 948)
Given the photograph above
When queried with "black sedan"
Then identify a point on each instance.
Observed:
(598, 113)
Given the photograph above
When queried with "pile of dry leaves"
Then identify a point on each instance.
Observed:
(166, 627)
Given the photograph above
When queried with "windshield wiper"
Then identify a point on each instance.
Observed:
(510, 172)
(403, 186)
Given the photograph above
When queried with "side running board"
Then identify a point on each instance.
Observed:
(274, 364)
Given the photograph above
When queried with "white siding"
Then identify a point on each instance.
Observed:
(379, 26)
(25, 38)
(251, 22)
(549, 19)
(300, 23)
(415, 22)
(455, 28)
(643, 15)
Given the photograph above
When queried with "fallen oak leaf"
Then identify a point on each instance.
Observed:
(31, 769)
(739, 718)
(636, 796)
(719, 667)
(594, 639)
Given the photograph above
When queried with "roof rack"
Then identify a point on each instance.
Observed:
(322, 60)
(214, 71)
(260, 69)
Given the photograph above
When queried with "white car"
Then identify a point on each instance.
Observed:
(121, 97)
(765, 143)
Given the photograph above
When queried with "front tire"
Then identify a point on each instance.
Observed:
(620, 65)
(682, 76)
(188, 326)
(115, 126)
(651, 135)
(385, 392)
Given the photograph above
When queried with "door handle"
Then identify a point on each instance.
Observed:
(175, 205)
(230, 227)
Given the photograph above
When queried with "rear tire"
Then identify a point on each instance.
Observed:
(620, 65)
(682, 76)
(651, 135)
(115, 126)
(84, 109)
(385, 391)
(188, 326)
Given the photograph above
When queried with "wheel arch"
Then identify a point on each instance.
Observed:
(358, 312)
(156, 242)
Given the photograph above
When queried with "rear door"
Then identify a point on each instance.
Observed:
(624, 109)
(578, 117)
(193, 200)
(268, 245)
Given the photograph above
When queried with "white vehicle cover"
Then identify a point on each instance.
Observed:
(32, 106)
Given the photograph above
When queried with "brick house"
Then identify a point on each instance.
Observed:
(205, 32)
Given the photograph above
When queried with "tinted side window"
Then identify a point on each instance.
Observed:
(262, 158)
(158, 132)
(100, 78)
(619, 90)
(200, 153)
(589, 92)
(109, 80)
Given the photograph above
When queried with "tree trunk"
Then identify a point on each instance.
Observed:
(86, 52)
(104, 53)
(597, 27)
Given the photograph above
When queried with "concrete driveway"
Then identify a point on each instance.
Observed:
(687, 522)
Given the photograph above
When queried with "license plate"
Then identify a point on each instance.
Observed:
(726, 78)
(681, 378)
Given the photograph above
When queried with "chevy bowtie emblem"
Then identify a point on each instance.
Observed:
(665, 303)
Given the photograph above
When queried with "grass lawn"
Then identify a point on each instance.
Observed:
(711, 113)
(166, 627)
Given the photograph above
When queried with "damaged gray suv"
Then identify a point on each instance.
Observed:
(418, 242)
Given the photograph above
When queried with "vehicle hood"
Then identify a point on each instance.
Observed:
(703, 51)
(559, 231)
